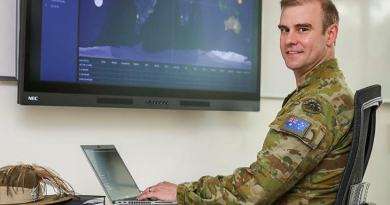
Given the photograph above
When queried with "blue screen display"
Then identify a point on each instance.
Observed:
(177, 44)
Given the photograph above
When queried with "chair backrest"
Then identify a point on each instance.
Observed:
(367, 101)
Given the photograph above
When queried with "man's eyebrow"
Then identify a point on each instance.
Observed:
(300, 25)
(304, 25)
(280, 26)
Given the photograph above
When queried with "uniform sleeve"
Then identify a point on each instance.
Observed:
(299, 138)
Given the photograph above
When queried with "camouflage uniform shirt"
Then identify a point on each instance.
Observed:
(304, 153)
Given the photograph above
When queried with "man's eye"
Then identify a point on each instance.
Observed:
(284, 30)
(303, 29)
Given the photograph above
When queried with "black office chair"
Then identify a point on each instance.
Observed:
(352, 190)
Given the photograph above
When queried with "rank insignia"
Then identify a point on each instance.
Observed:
(296, 126)
(312, 106)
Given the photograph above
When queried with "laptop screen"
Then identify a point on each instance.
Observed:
(111, 171)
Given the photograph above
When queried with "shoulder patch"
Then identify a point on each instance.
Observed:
(312, 106)
(296, 126)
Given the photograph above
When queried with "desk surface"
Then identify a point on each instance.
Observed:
(79, 201)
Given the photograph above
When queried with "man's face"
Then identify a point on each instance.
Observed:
(302, 42)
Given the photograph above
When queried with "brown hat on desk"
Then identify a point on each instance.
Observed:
(26, 184)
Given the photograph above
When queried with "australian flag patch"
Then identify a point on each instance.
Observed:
(296, 126)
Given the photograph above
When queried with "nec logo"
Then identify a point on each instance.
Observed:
(32, 98)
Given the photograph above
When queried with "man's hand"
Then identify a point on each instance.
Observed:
(163, 191)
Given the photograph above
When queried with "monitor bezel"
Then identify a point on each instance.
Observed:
(67, 94)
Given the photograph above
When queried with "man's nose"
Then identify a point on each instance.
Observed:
(291, 38)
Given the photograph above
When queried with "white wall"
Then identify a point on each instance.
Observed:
(180, 145)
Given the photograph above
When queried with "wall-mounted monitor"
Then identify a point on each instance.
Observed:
(167, 54)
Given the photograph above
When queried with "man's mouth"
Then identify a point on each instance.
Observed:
(294, 52)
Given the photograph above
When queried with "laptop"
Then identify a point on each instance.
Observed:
(113, 175)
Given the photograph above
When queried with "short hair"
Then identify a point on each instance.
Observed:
(330, 13)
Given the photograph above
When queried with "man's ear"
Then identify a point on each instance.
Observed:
(331, 34)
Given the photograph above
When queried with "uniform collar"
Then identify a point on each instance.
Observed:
(317, 72)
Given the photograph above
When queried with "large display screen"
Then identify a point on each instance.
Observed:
(187, 49)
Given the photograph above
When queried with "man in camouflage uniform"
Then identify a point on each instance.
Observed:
(306, 149)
